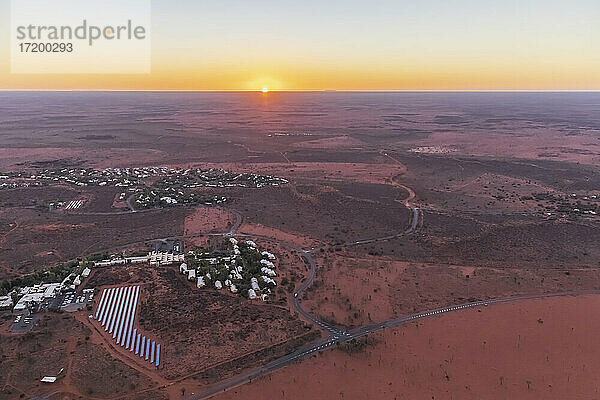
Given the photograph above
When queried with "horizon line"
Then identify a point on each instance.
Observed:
(314, 90)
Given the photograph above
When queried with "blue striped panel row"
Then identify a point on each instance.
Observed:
(152, 348)
(157, 354)
(137, 347)
(118, 321)
(101, 304)
(116, 313)
(133, 340)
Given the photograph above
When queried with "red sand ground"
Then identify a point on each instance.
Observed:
(537, 349)
(10, 158)
(332, 171)
(356, 291)
(205, 220)
(336, 142)
(536, 143)
(301, 241)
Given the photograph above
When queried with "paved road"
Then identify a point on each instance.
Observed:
(332, 330)
(131, 207)
(330, 342)
(335, 335)
(236, 225)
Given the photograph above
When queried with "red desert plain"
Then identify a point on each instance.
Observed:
(531, 349)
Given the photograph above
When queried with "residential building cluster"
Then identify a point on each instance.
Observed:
(246, 270)
(135, 177)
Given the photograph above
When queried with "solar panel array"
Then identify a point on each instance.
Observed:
(73, 205)
(116, 313)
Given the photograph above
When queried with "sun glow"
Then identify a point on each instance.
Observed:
(265, 90)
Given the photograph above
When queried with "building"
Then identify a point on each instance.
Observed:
(218, 285)
(50, 290)
(68, 278)
(6, 302)
(110, 263)
(266, 279)
(136, 260)
(251, 294)
(267, 263)
(270, 256)
(191, 275)
(201, 282)
(86, 272)
(36, 295)
(161, 258)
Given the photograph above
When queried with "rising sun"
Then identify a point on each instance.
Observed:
(265, 90)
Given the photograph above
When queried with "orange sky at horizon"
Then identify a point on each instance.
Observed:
(352, 45)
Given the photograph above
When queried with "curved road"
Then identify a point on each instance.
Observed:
(334, 334)
(330, 342)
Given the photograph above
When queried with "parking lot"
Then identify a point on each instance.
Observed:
(72, 301)
(23, 323)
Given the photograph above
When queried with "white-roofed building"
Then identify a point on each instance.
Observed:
(164, 258)
(267, 263)
(50, 289)
(136, 260)
(191, 274)
(6, 302)
(251, 294)
(110, 263)
(266, 279)
(270, 256)
(268, 271)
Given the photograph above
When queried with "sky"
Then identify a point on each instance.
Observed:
(353, 45)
